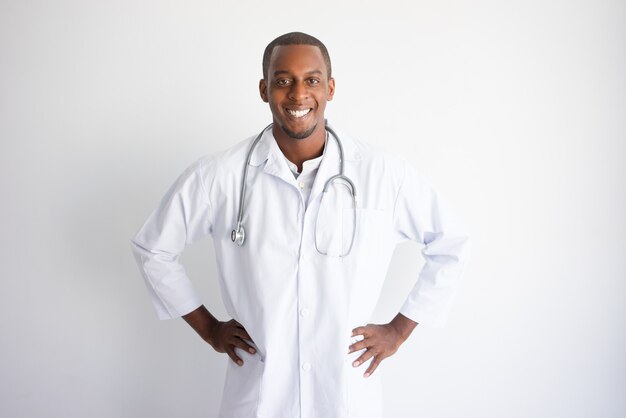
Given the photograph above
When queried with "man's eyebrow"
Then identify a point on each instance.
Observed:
(312, 72)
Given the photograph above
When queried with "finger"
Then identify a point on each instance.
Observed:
(241, 328)
(358, 331)
(239, 343)
(359, 345)
(373, 366)
(242, 333)
(368, 354)
(231, 353)
(246, 335)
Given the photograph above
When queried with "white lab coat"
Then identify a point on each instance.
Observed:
(299, 306)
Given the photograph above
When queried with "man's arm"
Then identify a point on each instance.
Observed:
(183, 216)
(420, 216)
(381, 341)
(224, 337)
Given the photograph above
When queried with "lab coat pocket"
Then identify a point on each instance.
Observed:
(368, 261)
(370, 219)
(335, 226)
(242, 390)
(339, 230)
(371, 229)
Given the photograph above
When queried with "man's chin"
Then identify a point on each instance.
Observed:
(299, 134)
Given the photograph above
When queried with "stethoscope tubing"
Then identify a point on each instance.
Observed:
(242, 189)
(238, 234)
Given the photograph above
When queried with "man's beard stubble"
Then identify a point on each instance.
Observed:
(299, 135)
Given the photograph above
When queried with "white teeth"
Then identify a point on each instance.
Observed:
(298, 113)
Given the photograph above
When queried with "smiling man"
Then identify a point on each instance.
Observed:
(297, 84)
(303, 277)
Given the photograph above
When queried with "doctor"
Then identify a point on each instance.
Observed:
(302, 286)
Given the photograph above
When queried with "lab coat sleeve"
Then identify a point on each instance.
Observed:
(182, 217)
(422, 216)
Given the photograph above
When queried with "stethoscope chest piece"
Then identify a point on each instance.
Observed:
(238, 235)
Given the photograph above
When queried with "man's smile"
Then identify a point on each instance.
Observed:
(298, 113)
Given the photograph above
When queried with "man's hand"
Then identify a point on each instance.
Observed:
(380, 341)
(222, 336)
(225, 336)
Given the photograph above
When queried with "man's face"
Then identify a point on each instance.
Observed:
(297, 89)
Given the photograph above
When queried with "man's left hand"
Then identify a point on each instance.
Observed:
(380, 341)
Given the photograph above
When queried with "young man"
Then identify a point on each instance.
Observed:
(302, 257)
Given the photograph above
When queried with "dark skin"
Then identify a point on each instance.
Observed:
(297, 88)
(297, 81)
(224, 337)
(381, 341)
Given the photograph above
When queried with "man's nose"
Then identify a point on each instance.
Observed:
(298, 91)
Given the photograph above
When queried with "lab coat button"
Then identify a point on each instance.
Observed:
(304, 311)
(306, 367)
(301, 185)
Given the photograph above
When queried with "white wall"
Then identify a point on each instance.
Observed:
(515, 110)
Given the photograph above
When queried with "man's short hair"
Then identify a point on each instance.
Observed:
(295, 38)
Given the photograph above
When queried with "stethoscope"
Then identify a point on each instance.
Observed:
(238, 235)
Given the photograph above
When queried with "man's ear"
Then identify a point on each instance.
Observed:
(263, 90)
(331, 89)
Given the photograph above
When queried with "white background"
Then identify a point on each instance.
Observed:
(516, 110)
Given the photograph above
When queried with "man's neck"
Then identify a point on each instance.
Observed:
(300, 150)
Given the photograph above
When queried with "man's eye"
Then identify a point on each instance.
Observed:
(314, 81)
(282, 82)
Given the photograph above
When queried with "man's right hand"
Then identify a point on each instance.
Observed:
(224, 337)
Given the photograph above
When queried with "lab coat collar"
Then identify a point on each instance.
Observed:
(262, 150)
(350, 151)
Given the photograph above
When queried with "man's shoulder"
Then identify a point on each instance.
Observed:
(229, 159)
(371, 153)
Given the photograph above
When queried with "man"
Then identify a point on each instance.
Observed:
(306, 278)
